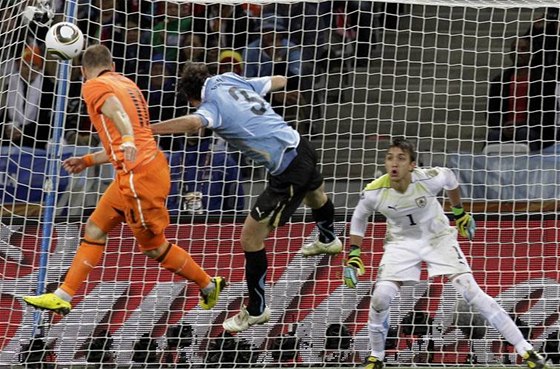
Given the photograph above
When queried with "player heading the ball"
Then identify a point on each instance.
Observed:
(137, 195)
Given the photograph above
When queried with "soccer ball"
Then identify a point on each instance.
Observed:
(64, 41)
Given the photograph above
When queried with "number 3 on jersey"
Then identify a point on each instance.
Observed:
(258, 108)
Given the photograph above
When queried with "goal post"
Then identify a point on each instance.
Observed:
(360, 74)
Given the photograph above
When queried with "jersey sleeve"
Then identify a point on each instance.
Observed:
(365, 208)
(448, 178)
(210, 115)
(261, 85)
(95, 93)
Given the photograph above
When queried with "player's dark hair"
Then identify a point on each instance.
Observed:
(97, 57)
(405, 146)
(192, 80)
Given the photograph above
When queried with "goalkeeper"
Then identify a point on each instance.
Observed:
(418, 231)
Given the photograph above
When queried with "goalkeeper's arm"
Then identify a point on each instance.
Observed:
(354, 266)
(464, 222)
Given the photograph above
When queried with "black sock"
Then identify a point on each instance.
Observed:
(256, 266)
(324, 217)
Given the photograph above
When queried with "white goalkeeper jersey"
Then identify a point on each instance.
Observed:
(415, 214)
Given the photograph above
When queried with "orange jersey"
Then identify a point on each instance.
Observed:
(95, 93)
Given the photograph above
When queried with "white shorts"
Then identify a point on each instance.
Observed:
(402, 260)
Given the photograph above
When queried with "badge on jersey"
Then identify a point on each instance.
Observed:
(421, 201)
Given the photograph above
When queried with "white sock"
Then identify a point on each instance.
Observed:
(209, 288)
(523, 347)
(63, 294)
(378, 324)
(492, 311)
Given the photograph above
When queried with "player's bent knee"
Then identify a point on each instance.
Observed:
(253, 234)
(467, 287)
(383, 294)
(158, 253)
(251, 245)
(153, 254)
(93, 232)
(148, 242)
(380, 302)
(316, 199)
(154, 248)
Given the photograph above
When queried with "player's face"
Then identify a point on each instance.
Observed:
(398, 164)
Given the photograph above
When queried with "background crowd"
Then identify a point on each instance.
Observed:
(150, 40)
(523, 99)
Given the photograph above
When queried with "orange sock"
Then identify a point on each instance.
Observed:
(179, 261)
(87, 256)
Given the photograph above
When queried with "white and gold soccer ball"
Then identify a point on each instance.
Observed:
(64, 41)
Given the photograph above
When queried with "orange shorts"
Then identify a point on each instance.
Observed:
(138, 197)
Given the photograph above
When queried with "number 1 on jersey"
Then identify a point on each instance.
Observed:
(412, 223)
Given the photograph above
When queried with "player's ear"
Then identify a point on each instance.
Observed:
(113, 67)
(412, 165)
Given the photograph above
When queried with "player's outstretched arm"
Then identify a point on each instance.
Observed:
(189, 124)
(77, 164)
(278, 82)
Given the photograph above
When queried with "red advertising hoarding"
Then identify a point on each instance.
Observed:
(129, 296)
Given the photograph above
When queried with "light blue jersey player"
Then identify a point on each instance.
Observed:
(234, 108)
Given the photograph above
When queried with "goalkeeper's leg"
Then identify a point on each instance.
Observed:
(378, 325)
(497, 316)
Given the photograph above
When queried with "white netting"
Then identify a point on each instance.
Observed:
(361, 73)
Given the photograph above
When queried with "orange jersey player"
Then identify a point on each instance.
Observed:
(137, 195)
(114, 86)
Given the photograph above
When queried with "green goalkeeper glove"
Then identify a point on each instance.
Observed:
(353, 268)
(464, 222)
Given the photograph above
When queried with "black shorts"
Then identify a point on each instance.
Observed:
(285, 191)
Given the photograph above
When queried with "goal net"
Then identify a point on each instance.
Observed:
(360, 73)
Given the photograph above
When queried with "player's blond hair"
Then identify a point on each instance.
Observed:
(97, 57)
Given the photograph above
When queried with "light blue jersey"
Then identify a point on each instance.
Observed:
(234, 109)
